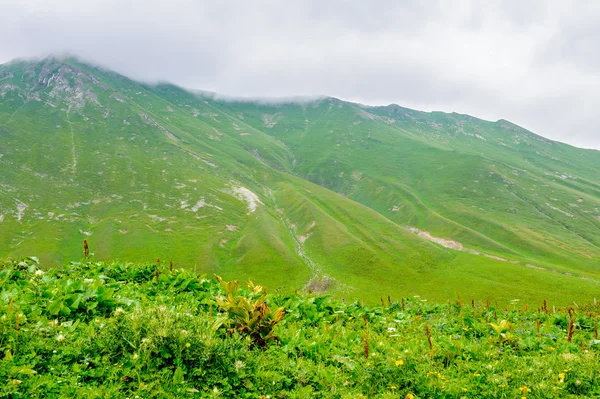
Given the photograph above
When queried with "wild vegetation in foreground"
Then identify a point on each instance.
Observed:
(100, 330)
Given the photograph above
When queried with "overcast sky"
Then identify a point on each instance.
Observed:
(535, 63)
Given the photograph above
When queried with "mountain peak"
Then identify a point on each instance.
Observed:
(55, 80)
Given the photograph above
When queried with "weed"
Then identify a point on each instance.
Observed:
(248, 314)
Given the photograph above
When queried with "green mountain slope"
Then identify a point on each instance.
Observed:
(326, 195)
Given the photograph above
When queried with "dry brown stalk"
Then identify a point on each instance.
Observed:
(366, 339)
(571, 326)
(428, 333)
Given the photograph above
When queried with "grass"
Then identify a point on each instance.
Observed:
(95, 155)
(94, 330)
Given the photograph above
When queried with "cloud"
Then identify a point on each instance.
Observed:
(532, 62)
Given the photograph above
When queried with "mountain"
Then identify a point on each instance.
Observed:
(319, 194)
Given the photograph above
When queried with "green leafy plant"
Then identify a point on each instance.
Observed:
(502, 331)
(248, 314)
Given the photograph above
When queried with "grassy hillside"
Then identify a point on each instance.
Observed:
(95, 330)
(326, 195)
(487, 185)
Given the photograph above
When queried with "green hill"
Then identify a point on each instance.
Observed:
(321, 194)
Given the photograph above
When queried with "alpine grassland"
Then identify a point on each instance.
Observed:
(322, 194)
(116, 330)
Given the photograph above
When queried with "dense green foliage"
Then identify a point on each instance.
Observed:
(338, 197)
(98, 330)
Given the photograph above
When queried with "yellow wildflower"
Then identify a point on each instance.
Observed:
(187, 344)
(399, 362)
(409, 396)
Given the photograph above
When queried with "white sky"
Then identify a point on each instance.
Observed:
(533, 62)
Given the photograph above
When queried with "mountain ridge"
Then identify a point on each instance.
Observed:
(292, 99)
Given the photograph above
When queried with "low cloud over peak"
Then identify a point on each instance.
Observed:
(529, 62)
